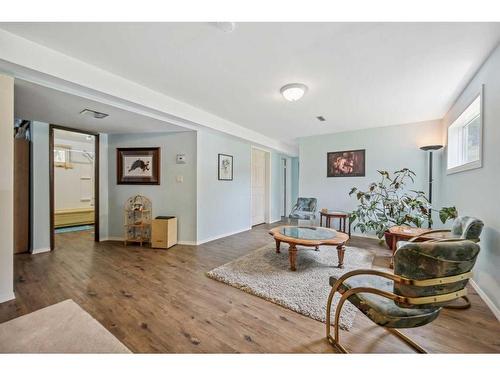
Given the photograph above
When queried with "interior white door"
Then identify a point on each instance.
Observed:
(258, 186)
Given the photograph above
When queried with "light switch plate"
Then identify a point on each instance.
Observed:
(180, 179)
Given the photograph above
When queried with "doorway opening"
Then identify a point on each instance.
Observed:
(261, 178)
(74, 184)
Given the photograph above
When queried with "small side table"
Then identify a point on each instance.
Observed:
(403, 233)
(341, 215)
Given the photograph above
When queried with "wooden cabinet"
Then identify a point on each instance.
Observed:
(21, 195)
(164, 232)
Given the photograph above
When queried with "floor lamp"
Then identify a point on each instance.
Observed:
(430, 148)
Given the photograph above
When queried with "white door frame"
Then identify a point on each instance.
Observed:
(285, 194)
(267, 208)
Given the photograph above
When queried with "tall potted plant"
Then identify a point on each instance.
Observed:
(389, 202)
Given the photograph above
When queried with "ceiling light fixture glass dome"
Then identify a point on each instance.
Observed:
(293, 91)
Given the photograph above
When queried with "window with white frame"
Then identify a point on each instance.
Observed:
(465, 140)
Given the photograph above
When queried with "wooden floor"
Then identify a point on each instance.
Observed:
(161, 301)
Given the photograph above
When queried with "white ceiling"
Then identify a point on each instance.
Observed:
(35, 102)
(359, 74)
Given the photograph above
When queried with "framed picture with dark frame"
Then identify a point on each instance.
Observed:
(225, 167)
(349, 163)
(138, 166)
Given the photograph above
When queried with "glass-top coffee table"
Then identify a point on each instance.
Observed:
(309, 237)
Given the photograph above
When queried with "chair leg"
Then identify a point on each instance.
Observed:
(464, 306)
(408, 340)
(335, 341)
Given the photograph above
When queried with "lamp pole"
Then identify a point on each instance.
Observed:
(430, 148)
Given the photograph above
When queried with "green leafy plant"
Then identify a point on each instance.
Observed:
(389, 202)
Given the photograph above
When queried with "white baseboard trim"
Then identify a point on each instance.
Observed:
(222, 236)
(494, 309)
(41, 250)
(114, 238)
(274, 221)
(111, 238)
(188, 243)
(7, 297)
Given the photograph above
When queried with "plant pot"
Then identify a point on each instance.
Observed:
(388, 238)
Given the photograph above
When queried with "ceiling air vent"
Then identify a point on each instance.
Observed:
(94, 114)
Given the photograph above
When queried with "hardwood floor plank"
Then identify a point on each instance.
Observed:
(161, 301)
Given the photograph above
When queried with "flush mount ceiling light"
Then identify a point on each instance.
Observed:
(94, 114)
(293, 91)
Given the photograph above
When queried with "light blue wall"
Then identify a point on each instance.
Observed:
(224, 206)
(389, 148)
(6, 188)
(168, 198)
(475, 192)
(103, 187)
(40, 193)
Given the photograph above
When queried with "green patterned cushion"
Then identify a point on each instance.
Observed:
(381, 310)
(430, 260)
(304, 209)
(467, 227)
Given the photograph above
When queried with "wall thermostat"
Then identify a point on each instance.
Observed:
(181, 158)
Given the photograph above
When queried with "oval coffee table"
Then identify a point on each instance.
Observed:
(310, 237)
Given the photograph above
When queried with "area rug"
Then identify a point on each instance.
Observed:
(61, 328)
(266, 274)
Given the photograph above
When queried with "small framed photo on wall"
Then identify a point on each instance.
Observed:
(346, 163)
(138, 166)
(225, 172)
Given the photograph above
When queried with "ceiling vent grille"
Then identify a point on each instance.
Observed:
(94, 114)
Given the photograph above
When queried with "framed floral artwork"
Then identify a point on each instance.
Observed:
(225, 172)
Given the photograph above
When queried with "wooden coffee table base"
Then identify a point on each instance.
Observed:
(292, 254)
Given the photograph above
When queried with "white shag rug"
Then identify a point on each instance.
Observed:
(266, 274)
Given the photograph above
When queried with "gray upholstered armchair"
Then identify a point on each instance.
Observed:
(427, 276)
(304, 209)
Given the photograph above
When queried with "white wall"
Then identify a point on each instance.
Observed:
(475, 192)
(7, 188)
(40, 189)
(388, 148)
(168, 198)
(69, 188)
(103, 187)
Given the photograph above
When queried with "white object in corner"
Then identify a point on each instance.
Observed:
(7, 297)
(41, 250)
(188, 243)
(494, 309)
